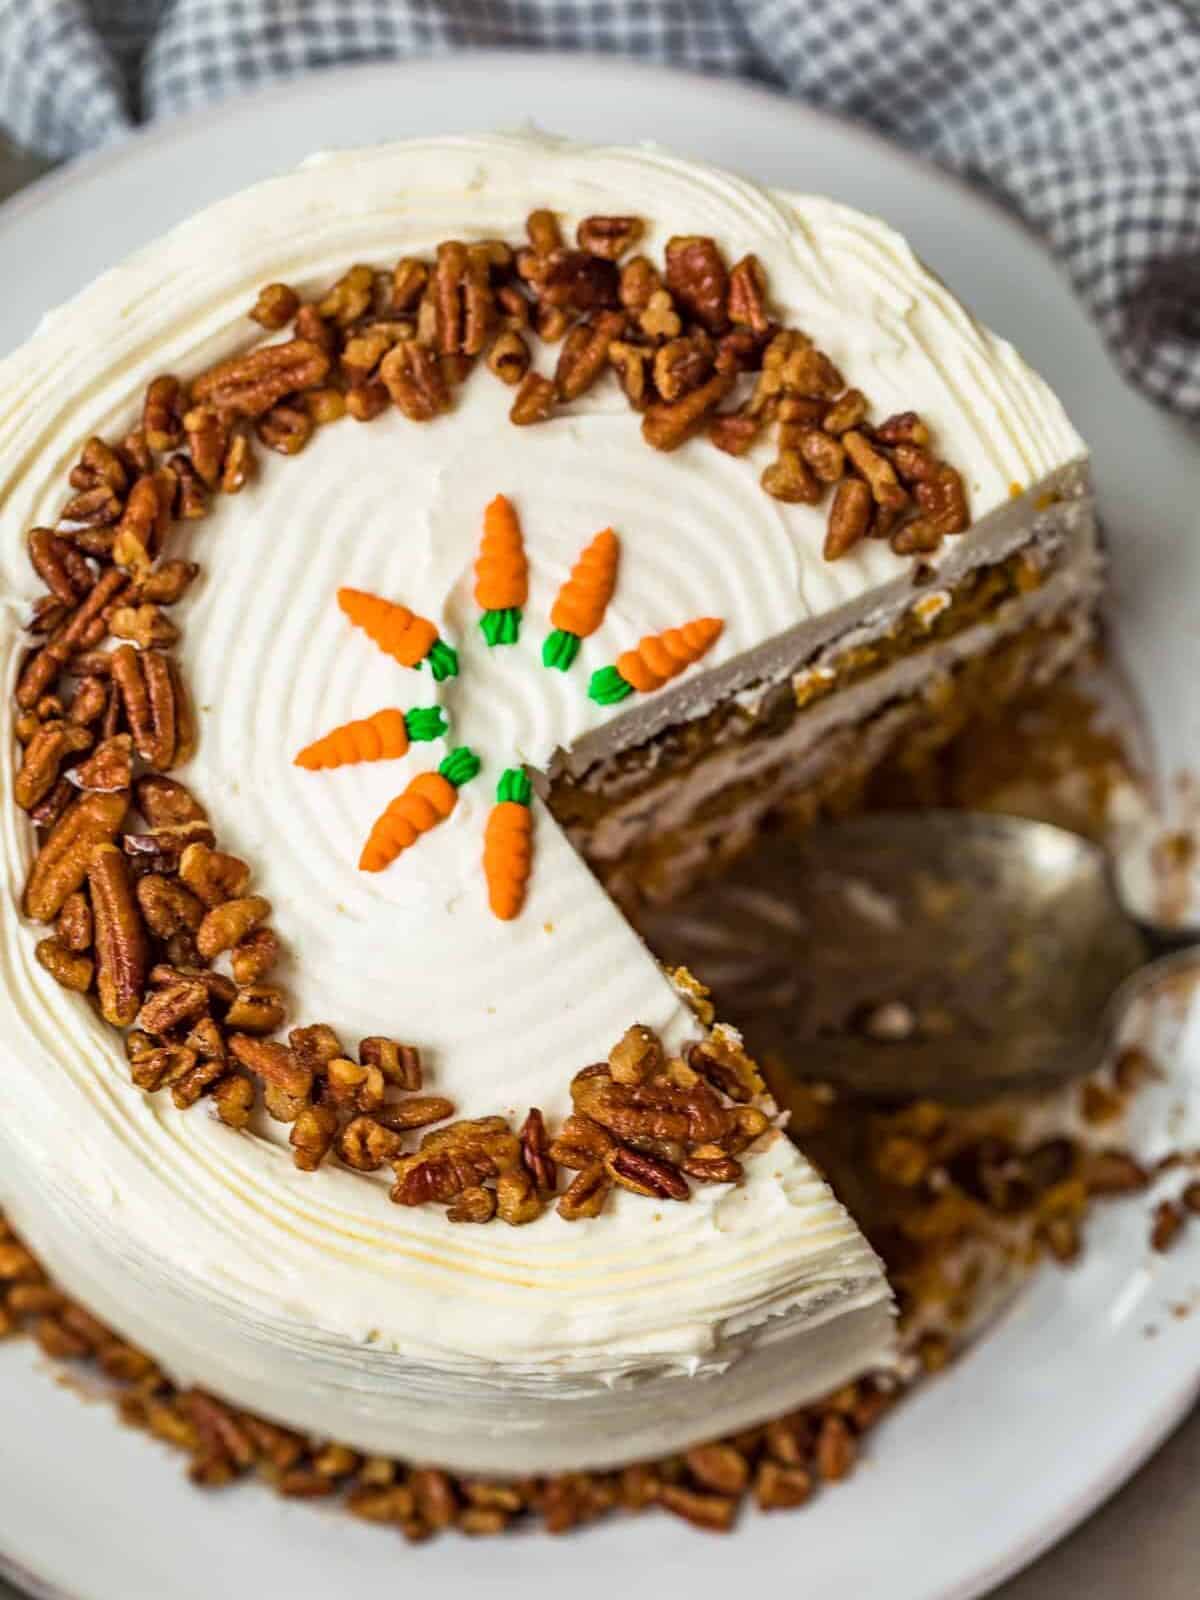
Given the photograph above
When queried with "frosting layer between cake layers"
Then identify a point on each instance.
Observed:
(311, 1296)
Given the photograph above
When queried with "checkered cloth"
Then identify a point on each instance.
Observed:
(1083, 114)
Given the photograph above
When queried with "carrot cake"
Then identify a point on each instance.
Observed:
(635, 504)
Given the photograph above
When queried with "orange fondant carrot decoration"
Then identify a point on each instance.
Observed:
(428, 800)
(658, 658)
(410, 639)
(579, 608)
(508, 845)
(501, 573)
(380, 737)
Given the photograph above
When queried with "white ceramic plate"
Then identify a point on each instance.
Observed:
(983, 1468)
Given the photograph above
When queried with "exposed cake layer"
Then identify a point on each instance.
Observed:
(309, 1295)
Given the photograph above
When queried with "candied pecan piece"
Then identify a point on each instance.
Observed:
(167, 905)
(200, 1078)
(208, 436)
(682, 365)
(658, 318)
(722, 1059)
(315, 1046)
(366, 1145)
(399, 1063)
(349, 298)
(249, 385)
(74, 926)
(535, 401)
(325, 405)
(349, 1083)
(143, 625)
(718, 1467)
(71, 968)
(790, 479)
(943, 504)
(581, 1143)
(144, 520)
(905, 427)
(288, 1085)
(748, 295)
(254, 956)
(234, 1100)
(698, 278)
(609, 237)
(632, 363)
(836, 1450)
(93, 507)
(162, 413)
(285, 429)
(170, 1007)
(509, 357)
(165, 802)
(98, 464)
(820, 450)
(779, 1488)
(476, 1204)
(886, 488)
(712, 1512)
(414, 380)
(914, 464)
(535, 1152)
(809, 371)
(573, 280)
(636, 1056)
(239, 465)
(584, 355)
(543, 232)
(464, 309)
(43, 756)
(122, 953)
(312, 1136)
(849, 518)
(710, 1164)
(517, 1201)
(363, 354)
(275, 307)
(213, 875)
(639, 279)
(60, 567)
(409, 278)
(366, 401)
(259, 1008)
(62, 864)
(225, 924)
(438, 1176)
(848, 411)
(48, 811)
(667, 426)
(734, 432)
(147, 691)
(418, 1111)
(646, 1174)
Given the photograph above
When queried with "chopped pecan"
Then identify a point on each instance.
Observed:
(849, 517)
(312, 1136)
(71, 968)
(463, 300)
(886, 488)
(682, 365)
(943, 504)
(192, 500)
(710, 1164)
(418, 1111)
(734, 432)
(362, 354)
(89, 702)
(171, 1007)
(667, 426)
(144, 520)
(162, 413)
(636, 1056)
(43, 756)
(399, 1063)
(414, 380)
(535, 401)
(848, 411)
(639, 280)
(148, 691)
(285, 429)
(62, 865)
(206, 1039)
(409, 278)
(632, 363)
(164, 802)
(167, 905)
(199, 1079)
(234, 1100)
(809, 371)
(517, 1201)
(349, 1083)
(476, 1204)
(914, 464)
(543, 231)
(718, 1467)
(535, 1152)
(259, 1008)
(100, 463)
(779, 1488)
(820, 450)
(722, 1059)
(712, 1512)
(93, 507)
(658, 318)
(275, 307)
(581, 1143)
(551, 322)
(748, 295)
(609, 237)
(697, 276)
(325, 405)
(509, 357)
(439, 1176)
(573, 280)
(213, 875)
(48, 811)
(749, 1124)
(905, 427)
(208, 435)
(348, 299)
(584, 355)
(60, 567)
(230, 922)
(254, 956)
(249, 385)
(513, 307)
(165, 584)
(239, 465)
(366, 401)
(790, 479)
(288, 1085)
(122, 953)
(74, 927)
(144, 625)
(366, 1145)
(645, 1174)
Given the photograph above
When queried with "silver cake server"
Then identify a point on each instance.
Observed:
(948, 954)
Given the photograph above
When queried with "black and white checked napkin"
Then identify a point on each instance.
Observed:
(1083, 114)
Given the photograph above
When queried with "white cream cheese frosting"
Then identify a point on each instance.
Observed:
(310, 1296)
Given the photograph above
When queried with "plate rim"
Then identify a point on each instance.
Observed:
(96, 166)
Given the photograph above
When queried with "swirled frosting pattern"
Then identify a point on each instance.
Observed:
(311, 1295)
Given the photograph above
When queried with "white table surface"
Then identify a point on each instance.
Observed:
(1145, 1541)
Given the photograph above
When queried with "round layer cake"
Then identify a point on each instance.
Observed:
(235, 1239)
